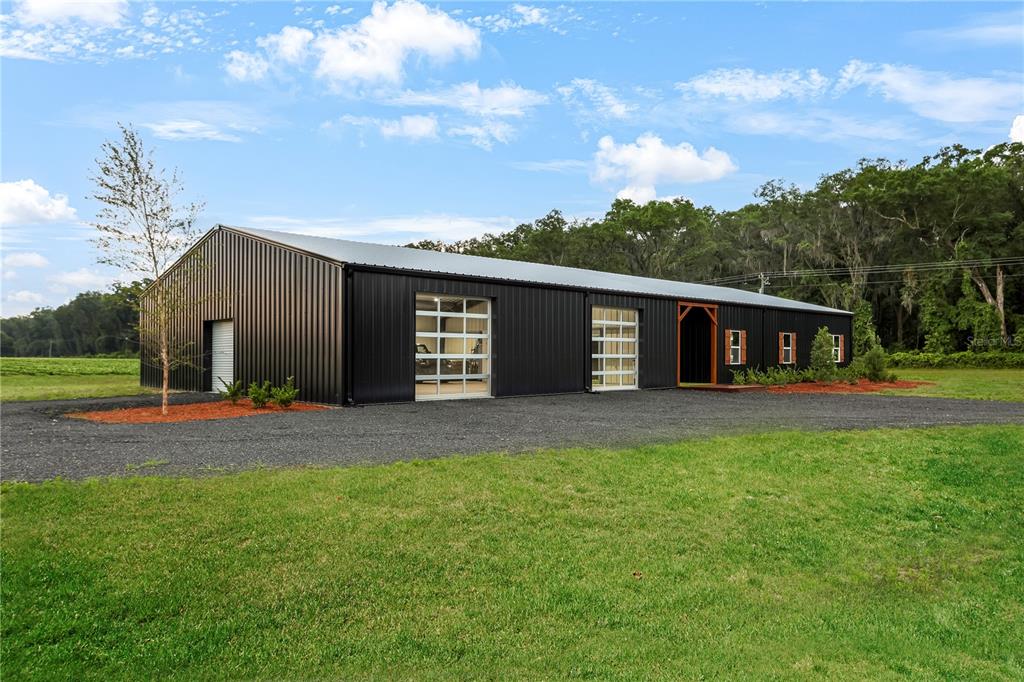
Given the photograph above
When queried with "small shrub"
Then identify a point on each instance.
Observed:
(874, 365)
(773, 376)
(233, 391)
(284, 396)
(849, 374)
(259, 394)
(822, 367)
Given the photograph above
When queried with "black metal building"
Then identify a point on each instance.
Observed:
(364, 323)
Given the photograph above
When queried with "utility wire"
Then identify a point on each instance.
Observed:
(1008, 261)
(884, 281)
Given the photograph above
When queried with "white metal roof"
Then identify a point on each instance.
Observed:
(404, 258)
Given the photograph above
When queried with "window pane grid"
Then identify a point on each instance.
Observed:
(613, 336)
(452, 347)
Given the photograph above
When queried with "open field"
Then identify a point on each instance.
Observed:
(65, 378)
(62, 378)
(68, 366)
(873, 554)
(984, 384)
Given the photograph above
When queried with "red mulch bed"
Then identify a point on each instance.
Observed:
(187, 413)
(862, 386)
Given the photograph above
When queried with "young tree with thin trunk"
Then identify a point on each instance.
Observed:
(143, 230)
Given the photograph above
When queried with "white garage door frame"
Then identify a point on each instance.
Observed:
(614, 356)
(222, 354)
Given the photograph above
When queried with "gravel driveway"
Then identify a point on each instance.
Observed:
(39, 443)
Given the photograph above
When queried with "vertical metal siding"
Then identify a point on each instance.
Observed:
(763, 326)
(540, 337)
(657, 336)
(286, 309)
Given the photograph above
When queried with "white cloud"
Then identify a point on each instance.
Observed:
(181, 120)
(1017, 129)
(25, 259)
(24, 202)
(411, 127)
(375, 49)
(95, 12)
(189, 129)
(553, 166)
(935, 94)
(508, 99)
(246, 66)
(649, 162)
(79, 280)
(21, 302)
(987, 30)
(751, 86)
(98, 31)
(25, 297)
(599, 99)
(531, 15)
(290, 46)
(518, 16)
(399, 229)
(820, 125)
(485, 133)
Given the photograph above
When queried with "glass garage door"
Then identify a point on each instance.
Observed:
(613, 349)
(453, 346)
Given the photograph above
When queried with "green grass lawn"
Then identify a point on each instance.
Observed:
(878, 554)
(58, 378)
(987, 384)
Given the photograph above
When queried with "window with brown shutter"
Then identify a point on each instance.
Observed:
(735, 347)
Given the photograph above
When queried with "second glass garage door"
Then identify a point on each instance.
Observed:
(613, 349)
(453, 346)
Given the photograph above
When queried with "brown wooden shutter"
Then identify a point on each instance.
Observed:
(792, 357)
(842, 348)
(728, 350)
(743, 347)
(781, 358)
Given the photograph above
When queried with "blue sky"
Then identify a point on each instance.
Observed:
(394, 122)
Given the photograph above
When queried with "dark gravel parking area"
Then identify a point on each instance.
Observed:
(39, 443)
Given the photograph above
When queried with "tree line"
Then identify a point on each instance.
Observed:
(928, 255)
(92, 323)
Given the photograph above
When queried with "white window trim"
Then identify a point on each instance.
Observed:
(738, 346)
(837, 341)
(465, 356)
(792, 354)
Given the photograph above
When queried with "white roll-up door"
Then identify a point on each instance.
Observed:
(223, 354)
(613, 349)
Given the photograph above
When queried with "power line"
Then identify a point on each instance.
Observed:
(900, 281)
(935, 266)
